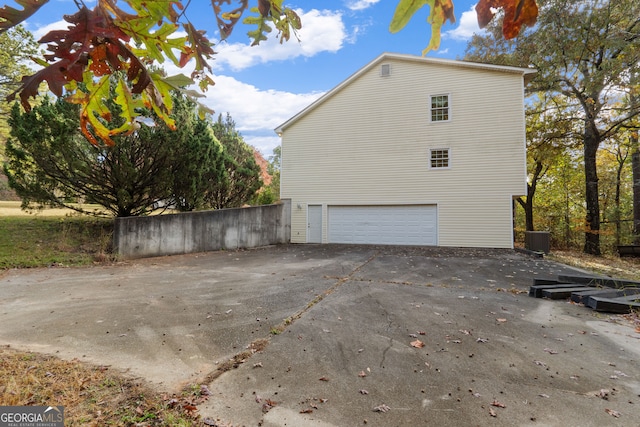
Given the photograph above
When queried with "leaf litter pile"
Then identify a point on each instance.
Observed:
(93, 395)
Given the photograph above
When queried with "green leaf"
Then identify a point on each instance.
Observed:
(441, 11)
(93, 107)
(404, 11)
(178, 81)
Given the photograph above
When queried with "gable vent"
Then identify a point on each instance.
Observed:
(385, 70)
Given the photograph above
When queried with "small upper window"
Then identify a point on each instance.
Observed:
(439, 108)
(440, 158)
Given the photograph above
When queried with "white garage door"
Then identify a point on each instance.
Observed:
(387, 225)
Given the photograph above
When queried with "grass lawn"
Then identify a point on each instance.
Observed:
(46, 240)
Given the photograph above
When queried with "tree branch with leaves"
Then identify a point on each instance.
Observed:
(108, 39)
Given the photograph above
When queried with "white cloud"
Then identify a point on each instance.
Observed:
(256, 112)
(468, 26)
(41, 31)
(322, 31)
(361, 4)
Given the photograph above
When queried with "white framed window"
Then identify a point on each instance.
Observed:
(440, 108)
(439, 158)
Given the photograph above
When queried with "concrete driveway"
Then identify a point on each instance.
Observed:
(340, 336)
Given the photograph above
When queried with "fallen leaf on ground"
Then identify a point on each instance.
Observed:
(482, 340)
(498, 404)
(382, 408)
(501, 320)
(306, 411)
(613, 413)
(417, 344)
(546, 396)
(551, 351)
(492, 412)
(364, 392)
(362, 374)
(324, 379)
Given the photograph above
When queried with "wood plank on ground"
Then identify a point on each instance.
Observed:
(560, 293)
(536, 290)
(582, 296)
(615, 305)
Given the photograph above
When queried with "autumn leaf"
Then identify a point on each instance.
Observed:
(498, 404)
(417, 344)
(10, 17)
(94, 112)
(517, 13)
(441, 11)
(382, 408)
(613, 413)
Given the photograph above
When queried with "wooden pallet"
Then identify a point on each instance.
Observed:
(629, 250)
(600, 294)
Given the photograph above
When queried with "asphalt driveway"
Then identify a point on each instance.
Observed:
(339, 336)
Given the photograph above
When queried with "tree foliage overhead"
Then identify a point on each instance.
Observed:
(109, 39)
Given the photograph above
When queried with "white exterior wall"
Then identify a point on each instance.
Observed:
(368, 144)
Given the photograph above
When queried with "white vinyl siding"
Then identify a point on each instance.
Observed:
(369, 142)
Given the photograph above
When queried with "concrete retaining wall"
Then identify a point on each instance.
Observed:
(139, 237)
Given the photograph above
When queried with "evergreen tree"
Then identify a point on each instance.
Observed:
(241, 178)
(50, 163)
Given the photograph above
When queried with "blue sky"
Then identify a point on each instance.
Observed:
(264, 86)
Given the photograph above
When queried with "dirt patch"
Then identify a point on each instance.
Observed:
(92, 395)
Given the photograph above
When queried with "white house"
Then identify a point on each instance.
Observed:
(409, 151)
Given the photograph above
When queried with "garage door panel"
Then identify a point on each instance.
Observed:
(392, 225)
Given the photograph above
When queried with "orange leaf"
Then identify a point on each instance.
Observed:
(516, 14)
(417, 344)
(498, 404)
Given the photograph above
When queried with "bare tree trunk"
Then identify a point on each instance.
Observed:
(617, 200)
(527, 203)
(635, 166)
(592, 234)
